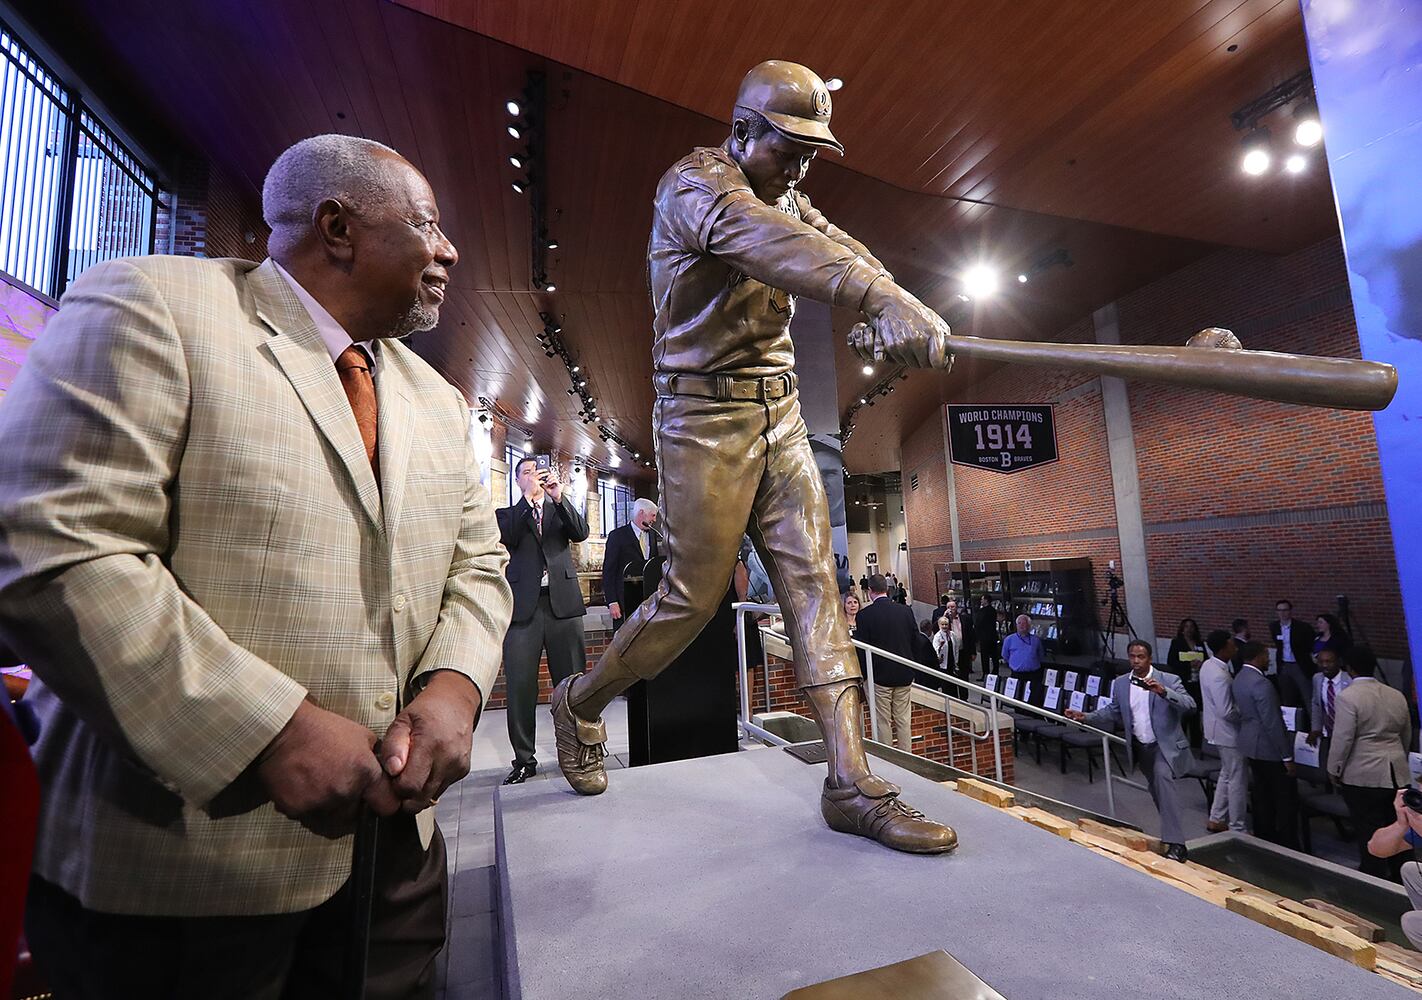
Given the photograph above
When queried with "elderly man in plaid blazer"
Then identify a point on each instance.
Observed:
(242, 538)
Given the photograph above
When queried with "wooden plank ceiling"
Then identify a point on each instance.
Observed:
(1007, 132)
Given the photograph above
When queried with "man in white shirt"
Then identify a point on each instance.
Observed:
(1221, 728)
(1155, 703)
(1293, 654)
(1328, 684)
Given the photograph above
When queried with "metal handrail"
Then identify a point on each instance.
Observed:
(994, 701)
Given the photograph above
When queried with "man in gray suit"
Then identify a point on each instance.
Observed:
(1265, 743)
(1150, 704)
(1221, 728)
(1328, 684)
(1369, 757)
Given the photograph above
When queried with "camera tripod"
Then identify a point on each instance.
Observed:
(1115, 618)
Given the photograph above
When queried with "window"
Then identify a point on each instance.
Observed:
(71, 193)
(617, 503)
(512, 456)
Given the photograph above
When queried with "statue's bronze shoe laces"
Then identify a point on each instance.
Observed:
(871, 808)
(581, 745)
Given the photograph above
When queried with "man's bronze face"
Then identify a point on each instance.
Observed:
(402, 259)
(773, 164)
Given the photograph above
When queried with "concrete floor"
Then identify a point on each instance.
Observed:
(715, 878)
(469, 966)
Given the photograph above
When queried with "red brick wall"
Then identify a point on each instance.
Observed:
(204, 214)
(1319, 465)
(597, 640)
(926, 508)
(1243, 501)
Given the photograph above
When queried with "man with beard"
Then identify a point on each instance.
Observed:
(733, 243)
(247, 554)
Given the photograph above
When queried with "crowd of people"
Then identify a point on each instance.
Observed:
(1309, 692)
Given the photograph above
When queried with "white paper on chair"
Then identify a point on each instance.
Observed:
(1103, 703)
(1070, 684)
(1303, 753)
(1290, 717)
(1078, 701)
(1054, 698)
(1093, 685)
(990, 682)
(1052, 679)
(1011, 688)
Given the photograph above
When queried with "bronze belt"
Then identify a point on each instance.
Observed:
(724, 387)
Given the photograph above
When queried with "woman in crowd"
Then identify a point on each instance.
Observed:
(1187, 654)
(851, 609)
(1331, 635)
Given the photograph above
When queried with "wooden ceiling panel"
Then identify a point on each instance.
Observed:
(942, 100)
(1115, 111)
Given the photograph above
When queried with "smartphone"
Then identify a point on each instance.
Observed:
(1138, 682)
(542, 461)
(1412, 798)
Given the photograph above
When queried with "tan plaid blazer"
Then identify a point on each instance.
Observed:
(191, 541)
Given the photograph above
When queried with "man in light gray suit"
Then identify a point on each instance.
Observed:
(1369, 758)
(1150, 705)
(1265, 743)
(1328, 684)
(1221, 727)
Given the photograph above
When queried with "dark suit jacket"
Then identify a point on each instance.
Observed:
(1262, 735)
(890, 627)
(622, 557)
(985, 628)
(1301, 636)
(528, 555)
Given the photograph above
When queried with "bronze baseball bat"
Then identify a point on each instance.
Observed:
(1212, 360)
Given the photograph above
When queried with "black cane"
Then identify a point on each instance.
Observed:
(362, 896)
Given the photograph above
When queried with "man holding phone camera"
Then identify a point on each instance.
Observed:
(1150, 705)
(548, 604)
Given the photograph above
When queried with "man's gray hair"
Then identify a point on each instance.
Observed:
(644, 506)
(344, 167)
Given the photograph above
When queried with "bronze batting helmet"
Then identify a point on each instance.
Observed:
(793, 99)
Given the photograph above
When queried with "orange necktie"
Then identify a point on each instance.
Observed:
(354, 368)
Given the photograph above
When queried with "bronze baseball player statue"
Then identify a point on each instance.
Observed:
(733, 243)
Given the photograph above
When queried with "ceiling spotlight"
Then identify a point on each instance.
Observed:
(548, 286)
(582, 383)
(551, 245)
(1308, 130)
(1022, 279)
(528, 445)
(1296, 163)
(980, 281)
(516, 163)
(1256, 152)
(868, 369)
(636, 454)
(514, 133)
(862, 401)
(576, 368)
(834, 83)
(513, 108)
(962, 297)
(520, 187)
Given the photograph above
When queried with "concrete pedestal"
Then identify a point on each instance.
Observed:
(716, 878)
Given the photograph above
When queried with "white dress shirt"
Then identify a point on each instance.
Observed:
(1141, 726)
(333, 335)
(1285, 630)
